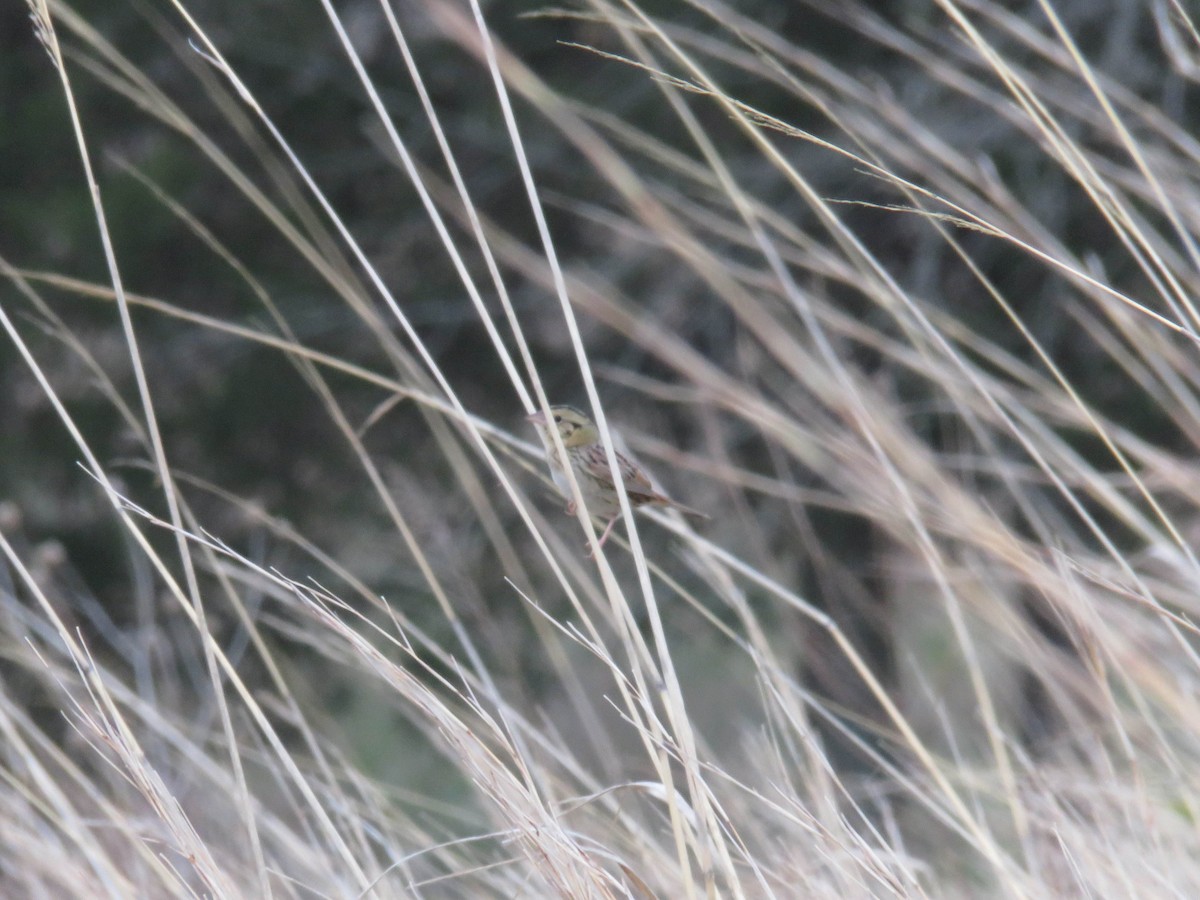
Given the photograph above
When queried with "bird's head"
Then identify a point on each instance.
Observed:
(574, 427)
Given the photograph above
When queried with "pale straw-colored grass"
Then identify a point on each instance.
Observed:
(938, 638)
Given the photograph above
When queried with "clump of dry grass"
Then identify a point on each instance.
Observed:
(938, 638)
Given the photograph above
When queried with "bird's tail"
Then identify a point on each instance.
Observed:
(686, 510)
(642, 498)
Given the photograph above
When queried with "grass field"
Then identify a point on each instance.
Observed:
(903, 296)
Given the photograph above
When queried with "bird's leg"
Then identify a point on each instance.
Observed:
(607, 530)
(570, 510)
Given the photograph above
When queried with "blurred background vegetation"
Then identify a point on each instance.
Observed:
(236, 413)
(258, 452)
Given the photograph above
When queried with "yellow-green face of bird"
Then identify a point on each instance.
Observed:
(575, 428)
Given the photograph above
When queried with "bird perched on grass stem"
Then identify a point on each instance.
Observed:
(585, 454)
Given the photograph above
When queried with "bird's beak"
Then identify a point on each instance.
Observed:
(538, 418)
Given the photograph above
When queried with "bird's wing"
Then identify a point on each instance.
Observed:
(632, 476)
(637, 484)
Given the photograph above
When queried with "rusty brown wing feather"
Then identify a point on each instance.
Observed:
(596, 464)
(637, 486)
